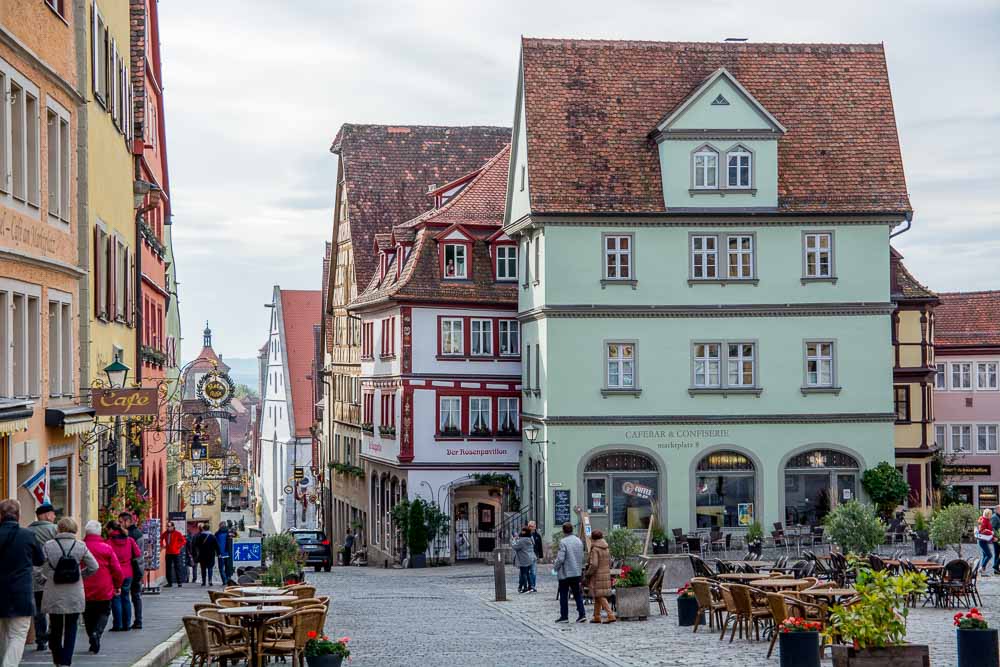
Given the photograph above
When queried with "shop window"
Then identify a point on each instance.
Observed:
(963, 494)
(815, 482)
(607, 477)
(725, 490)
(988, 496)
(59, 486)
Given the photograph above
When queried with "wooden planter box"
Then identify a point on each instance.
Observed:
(633, 603)
(907, 655)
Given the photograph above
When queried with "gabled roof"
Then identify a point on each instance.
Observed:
(476, 212)
(903, 286)
(967, 319)
(300, 313)
(388, 171)
(720, 73)
(590, 106)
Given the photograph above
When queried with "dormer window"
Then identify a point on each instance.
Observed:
(738, 167)
(706, 168)
(455, 261)
(507, 262)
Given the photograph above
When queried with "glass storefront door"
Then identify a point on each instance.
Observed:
(604, 495)
(817, 481)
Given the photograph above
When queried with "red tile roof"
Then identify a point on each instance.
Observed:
(478, 209)
(902, 285)
(967, 319)
(300, 312)
(592, 104)
(388, 171)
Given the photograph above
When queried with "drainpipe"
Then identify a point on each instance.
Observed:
(909, 223)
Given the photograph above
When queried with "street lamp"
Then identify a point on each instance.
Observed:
(530, 432)
(117, 373)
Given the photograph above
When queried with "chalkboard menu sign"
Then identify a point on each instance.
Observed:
(563, 508)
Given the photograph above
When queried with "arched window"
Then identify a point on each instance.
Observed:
(725, 490)
(816, 481)
(606, 479)
(739, 161)
(705, 166)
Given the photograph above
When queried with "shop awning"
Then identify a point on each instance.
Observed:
(15, 415)
(73, 419)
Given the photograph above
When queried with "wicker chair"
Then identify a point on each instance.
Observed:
(748, 614)
(656, 590)
(228, 603)
(208, 641)
(779, 612)
(303, 621)
(302, 591)
(232, 633)
(215, 596)
(709, 601)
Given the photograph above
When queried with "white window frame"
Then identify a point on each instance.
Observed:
(745, 257)
(510, 338)
(739, 359)
(615, 258)
(508, 408)
(453, 411)
(59, 161)
(987, 375)
(620, 366)
(449, 330)
(24, 342)
(986, 439)
(26, 198)
(740, 153)
(707, 365)
(709, 267)
(61, 366)
(461, 260)
(812, 249)
(964, 369)
(959, 430)
(819, 360)
(941, 377)
(709, 166)
(481, 339)
(507, 261)
(941, 436)
(478, 407)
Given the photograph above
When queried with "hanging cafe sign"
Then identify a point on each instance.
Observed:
(216, 389)
(137, 402)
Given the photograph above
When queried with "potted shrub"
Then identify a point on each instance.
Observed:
(951, 524)
(284, 559)
(876, 627)
(623, 544)
(687, 606)
(855, 528)
(322, 652)
(977, 641)
(755, 538)
(416, 534)
(632, 592)
(660, 541)
(798, 642)
(921, 534)
(886, 487)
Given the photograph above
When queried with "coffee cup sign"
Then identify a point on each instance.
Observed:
(127, 402)
(638, 490)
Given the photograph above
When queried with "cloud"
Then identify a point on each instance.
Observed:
(255, 92)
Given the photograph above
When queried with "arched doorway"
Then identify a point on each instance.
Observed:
(604, 481)
(815, 482)
(725, 490)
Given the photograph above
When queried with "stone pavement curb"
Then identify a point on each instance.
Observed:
(165, 652)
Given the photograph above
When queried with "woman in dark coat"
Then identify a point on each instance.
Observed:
(207, 548)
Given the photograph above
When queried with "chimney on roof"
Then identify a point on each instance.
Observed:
(735, 39)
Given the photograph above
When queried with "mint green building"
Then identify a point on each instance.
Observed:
(704, 278)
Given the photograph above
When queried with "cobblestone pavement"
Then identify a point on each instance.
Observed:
(447, 616)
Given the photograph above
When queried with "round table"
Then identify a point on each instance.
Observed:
(777, 584)
(252, 618)
(835, 595)
(259, 590)
(264, 599)
(741, 576)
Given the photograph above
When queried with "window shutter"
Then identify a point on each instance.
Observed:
(98, 311)
(95, 51)
(132, 282)
(129, 309)
(110, 279)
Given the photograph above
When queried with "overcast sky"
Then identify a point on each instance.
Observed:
(255, 91)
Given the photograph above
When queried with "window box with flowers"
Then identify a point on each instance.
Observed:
(321, 651)
(368, 428)
(509, 429)
(687, 606)
(977, 641)
(387, 431)
(798, 642)
(632, 592)
(153, 356)
(450, 432)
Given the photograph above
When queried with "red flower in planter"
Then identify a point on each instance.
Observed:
(311, 634)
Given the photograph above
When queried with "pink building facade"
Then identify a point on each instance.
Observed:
(967, 394)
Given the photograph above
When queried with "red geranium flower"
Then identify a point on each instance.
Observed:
(311, 634)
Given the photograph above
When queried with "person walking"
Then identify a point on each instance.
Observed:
(224, 541)
(348, 550)
(128, 522)
(536, 540)
(44, 528)
(173, 542)
(99, 588)
(984, 535)
(995, 525)
(67, 562)
(599, 577)
(207, 549)
(524, 558)
(193, 537)
(19, 555)
(568, 567)
(125, 549)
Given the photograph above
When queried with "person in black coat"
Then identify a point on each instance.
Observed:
(206, 549)
(19, 554)
(536, 541)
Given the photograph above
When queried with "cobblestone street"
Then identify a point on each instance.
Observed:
(448, 616)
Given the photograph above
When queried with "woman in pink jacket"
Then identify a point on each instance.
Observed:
(125, 549)
(101, 586)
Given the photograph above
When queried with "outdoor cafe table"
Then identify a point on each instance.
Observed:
(264, 599)
(834, 595)
(741, 577)
(756, 564)
(777, 584)
(259, 590)
(252, 618)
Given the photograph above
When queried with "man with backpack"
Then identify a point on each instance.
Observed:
(44, 528)
(19, 552)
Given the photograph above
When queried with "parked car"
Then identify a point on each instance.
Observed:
(315, 546)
